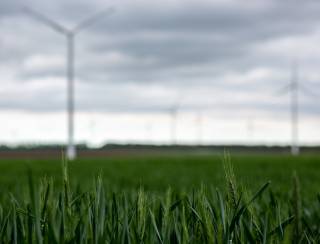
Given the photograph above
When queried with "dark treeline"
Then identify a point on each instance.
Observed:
(164, 147)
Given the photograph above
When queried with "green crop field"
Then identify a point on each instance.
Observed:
(162, 199)
(181, 172)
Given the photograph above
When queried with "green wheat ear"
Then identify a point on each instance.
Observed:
(141, 213)
(65, 182)
(296, 204)
(230, 180)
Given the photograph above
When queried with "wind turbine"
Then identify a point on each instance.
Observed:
(149, 134)
(250, 129)
(199, 124)
(293, 88)
(70, 35)
(173, 130)
(173, 113)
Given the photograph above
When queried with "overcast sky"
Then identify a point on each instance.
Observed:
(223, 63)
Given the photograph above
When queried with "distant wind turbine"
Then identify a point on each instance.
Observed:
(293, 88)
(250, 129)
(174, 115)
(199, 124)
(173, 130)
(149, 130)
(70, 35)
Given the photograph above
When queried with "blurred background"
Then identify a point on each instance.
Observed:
(162, 72)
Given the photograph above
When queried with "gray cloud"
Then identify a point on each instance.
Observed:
(176, 46)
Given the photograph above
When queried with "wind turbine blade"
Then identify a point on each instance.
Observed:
(87, 22)
(308, 91)
(179, 101)
(45, 20)
(284, 90)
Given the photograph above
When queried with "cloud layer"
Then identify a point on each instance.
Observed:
(229, 57)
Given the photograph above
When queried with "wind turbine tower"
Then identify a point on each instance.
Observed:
(294, 90)
(173, 113)
(173, 130)
(70, 35)
(199, 124)
(250, 130)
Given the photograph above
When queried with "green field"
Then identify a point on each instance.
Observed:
(181, 172)
(162, 199)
